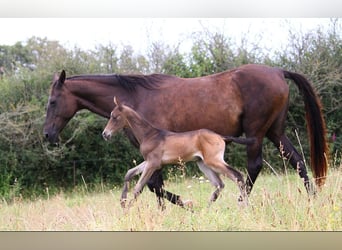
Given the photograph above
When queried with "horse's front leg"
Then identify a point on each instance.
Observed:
(129, 175)
(156, 183)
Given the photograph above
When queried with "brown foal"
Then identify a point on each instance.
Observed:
(160, 147)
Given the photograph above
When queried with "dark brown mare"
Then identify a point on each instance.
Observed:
(251, 99)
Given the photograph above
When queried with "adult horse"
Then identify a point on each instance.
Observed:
(251, 99)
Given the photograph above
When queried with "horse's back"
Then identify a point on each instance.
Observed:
(224, 102)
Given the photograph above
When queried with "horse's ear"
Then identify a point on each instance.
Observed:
(55, 78)
(61, 78)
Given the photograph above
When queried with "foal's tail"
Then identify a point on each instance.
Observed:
(246, 141)
(315, 125)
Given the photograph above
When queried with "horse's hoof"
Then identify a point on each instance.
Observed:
(162, 207)
(188, 204)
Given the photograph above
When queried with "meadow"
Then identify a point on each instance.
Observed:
(277, 203)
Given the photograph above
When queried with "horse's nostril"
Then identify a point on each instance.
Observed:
(46, 135)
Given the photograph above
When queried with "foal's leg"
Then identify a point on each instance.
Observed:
(129, 175)
(156, 182)
(150, 167)
(214, 178)
(236, 176)
(220, 166)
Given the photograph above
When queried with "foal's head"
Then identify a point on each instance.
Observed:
(116, 122)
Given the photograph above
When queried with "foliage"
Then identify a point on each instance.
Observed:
(318, 56)
(29, 165)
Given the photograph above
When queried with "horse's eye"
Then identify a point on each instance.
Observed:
(53, 103)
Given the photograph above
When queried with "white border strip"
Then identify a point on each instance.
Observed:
(171, 8)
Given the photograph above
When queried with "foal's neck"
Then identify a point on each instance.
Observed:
(141, 128)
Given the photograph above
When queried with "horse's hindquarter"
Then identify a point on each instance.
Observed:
(265, 95)
(213, 102)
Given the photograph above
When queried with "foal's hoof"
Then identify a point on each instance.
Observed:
(243, 202)
(123, 203)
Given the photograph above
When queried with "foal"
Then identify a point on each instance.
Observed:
(160, 147)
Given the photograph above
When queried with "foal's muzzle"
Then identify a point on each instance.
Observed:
(106, 135)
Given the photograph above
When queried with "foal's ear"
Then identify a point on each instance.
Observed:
(117, 102)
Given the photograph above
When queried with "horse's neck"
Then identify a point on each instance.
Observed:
(141, 128)
(96, 96)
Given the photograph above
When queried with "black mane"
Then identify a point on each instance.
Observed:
(127, 82)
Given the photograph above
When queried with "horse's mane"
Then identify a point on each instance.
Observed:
(127, 82)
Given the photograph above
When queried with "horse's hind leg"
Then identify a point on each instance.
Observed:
(288, 151)
(254, 165)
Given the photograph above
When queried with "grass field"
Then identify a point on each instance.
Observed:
(277, 203)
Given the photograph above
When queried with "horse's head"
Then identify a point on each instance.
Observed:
(61, 108)
(116, 122)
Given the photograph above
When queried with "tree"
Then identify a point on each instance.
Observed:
(107, 58)
(14, 57)
(318, 55)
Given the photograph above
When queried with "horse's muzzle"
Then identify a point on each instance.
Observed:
(51, 137)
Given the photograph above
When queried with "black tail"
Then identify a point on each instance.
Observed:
(246, 141)
(315, 125)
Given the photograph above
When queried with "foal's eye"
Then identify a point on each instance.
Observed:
(114, 117)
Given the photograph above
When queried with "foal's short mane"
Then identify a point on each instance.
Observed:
(127, 82)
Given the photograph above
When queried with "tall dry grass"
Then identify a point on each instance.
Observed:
(277, 203)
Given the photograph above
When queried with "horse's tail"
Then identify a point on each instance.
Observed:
(246, 141)
(315, 125)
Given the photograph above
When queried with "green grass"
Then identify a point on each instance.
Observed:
(277, 203)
